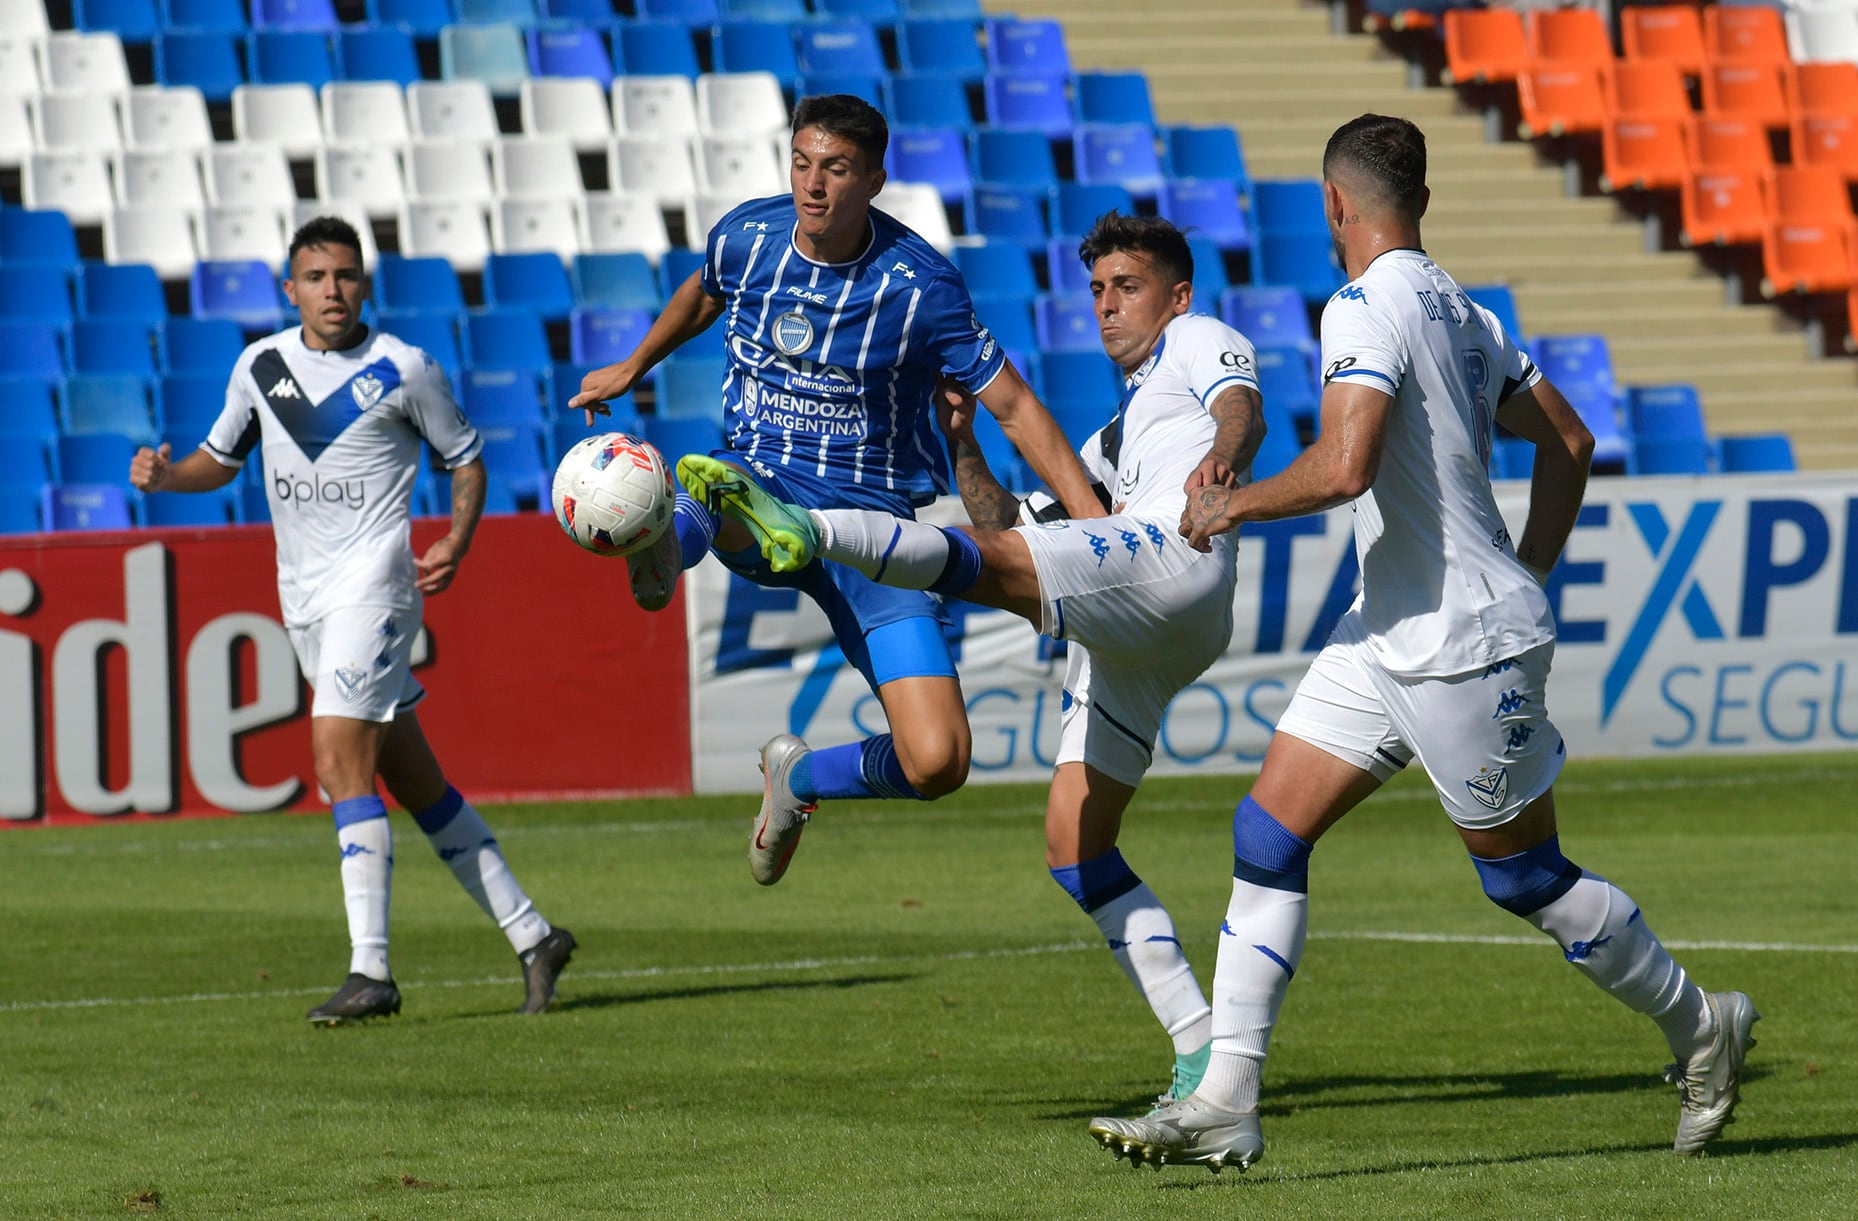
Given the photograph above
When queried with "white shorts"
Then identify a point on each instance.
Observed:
(1150, 613)
(359, 662)
(1484, 737)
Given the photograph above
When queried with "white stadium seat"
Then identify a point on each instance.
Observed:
(76, 121)
(308, 210)
(535, 166)
(652, 166)
(919, 206)
(84, 63)
(621, 223)
(740, 104)
(518, 226)
(16, 143)
(284, 115)
(75, 182)
(165, 177)
(19, 67)
(449, 229)
(744, 166)
(701, 212)
(571, 106)
(369, 175)
(243, 231)
(444, 169)
(1823, 35)
(451, 110)
(166, 117)
(249, 174)
(24, 17)
(365, 112)
(162, 237)
(663, 106)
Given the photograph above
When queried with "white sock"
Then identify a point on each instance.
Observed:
(1141, 935)
(367, 886)
(1601, 932)
(1260, 944)
(891, 550)
(464, 842)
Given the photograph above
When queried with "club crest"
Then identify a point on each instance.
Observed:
(350, 679)
(792, 332)
(1489, 787)
(366, 390)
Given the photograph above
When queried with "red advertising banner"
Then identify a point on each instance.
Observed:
(148, 673)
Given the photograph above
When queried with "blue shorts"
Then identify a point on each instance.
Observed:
(887, 633)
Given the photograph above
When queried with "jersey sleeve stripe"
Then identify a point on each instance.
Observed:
(1219, 385)
(1392, 385)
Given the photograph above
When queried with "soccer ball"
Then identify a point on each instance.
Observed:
(613, 494)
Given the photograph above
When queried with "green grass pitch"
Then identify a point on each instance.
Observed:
(916, 1022)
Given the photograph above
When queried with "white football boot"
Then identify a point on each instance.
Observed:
(1186, 1133)
(783, 816)
(1709, 1083)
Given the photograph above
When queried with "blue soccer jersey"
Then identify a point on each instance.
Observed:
(831, 366)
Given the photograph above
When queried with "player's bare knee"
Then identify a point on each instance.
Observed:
(938, 776)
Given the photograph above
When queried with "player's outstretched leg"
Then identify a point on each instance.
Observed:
(654, 571)
(785, 534)
(783, 816)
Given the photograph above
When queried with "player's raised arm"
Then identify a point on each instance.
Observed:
(990, 505)
(1563, 449)
(1040, 441)
(688, 314)
(152, 471)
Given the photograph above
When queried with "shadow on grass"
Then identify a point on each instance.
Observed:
(608, 1000)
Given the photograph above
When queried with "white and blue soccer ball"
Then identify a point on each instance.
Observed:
(613, 494)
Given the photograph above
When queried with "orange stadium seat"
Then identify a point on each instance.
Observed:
(1736, 33)
(1806, 259)
(1560, 100)
(1484, 46)
(1725, 144)
(1647, 89)
(1816, 89)
(1748, 91)
(1808, 195)
(1829, 140)
(1644, 153)
(1723, 208)
(1569, 36)
(1668, 33)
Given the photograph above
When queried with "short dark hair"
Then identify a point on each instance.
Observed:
(848, 117)
(1389, 152)
(1165, 246)
(325, 231)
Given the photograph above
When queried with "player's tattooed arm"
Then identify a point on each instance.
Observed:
(1238, 420)
(990, 506)
(440, 563)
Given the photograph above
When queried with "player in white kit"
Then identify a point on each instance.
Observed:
(1444, 657)
(340, 410)
(1144, 614)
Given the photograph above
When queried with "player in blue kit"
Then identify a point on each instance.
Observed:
(840, 321)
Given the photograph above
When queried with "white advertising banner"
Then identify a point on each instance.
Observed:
(1696, 615)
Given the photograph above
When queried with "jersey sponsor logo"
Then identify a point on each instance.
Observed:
(772, 407)
(796, 373)
(792, 333)
(1490, 788)
(1336, 367)
(1238, 362)
(283, 388)
(794, 290)
(366, 390)
(290, 489)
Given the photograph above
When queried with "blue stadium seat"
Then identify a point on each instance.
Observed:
(180, 510)
(254, 500)
(406, 284)
(603, 336)
(676, 436)
(512, 456)
(20, 510)
(208, 61)
(486, 12)
(217, 16)
(1762, 452)
(1014, 158)
(1287, 381)
(435, 334)
(1037, 103)
(996, 270)
(1664, 412)
(783, 11)
(87, 506)
(678, 265)
(37, 236)
(1275, 315)
(113, 345)
(97, 457)
(121, 290)
(1303, 259)
(1575, 360)
(1210, 278)
(31, 349)
(622, 280)
(877, 12)
(134, 21)
(1026, 48)
(1511, 458)
(690, 387)
(201, 345)
(505, 397)
(1066, 323)
(596, 13)
(940, 47)
(244, 291)
(926, 102)
(109, 403)
(1597, 403)
(1280, 446)
(1002, 459)
(570, 428)
(380, 53)
(1121, 153)
(190, 403)
(1080, 381)
(569, 51)
(494, 54)
(535, 281)
(1077, 205)
(1289, 204)
(35, 292)
(31, 410)
(1010, 321)
(1113, 97)
(1670, 456)
(506, 339)
(656, 47)
(969, 9)
(1207, 152)
(689, 12)
(1499, 300)
(870, 88)
(294, 14)
(1009, 214)
(755, 46)
(420, 18)
(838, 48)
(292, 56)
(1064, 269)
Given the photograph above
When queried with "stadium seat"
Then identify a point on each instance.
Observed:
(131, 292)
(530, 225)
(452, 110)
(109, 403)
(868, 88)
(656, 47)
(1083, 383)
(616, 281)
(31, 415)
(877, 12)
(1122, 153)
(494, 55)
(1745, 34)
(655, 107)
(603, 336)
(450, 229)
(505, 397)
(926, 102)
(1809, 195)
(377, 53)
(919, 207)
(654, 167)
(160, 237)
(535, 166)
(1670, 456)
(1014, 158)
(1113, 97)
(596, 13)
(744, 102)
(1018, 47)
(190, 403)
(36, 292)
(31, 348)
(1575, 360)
(420, 18)
(1210, 278)
(1287, 381)
(1822, 89)
(1664, 412)
(76, 122)
(1725, 143)
(1560, 99)
(690, 387)
(86, 506)
(1569, 36)
(1823, 35)
(1274, 315)
(676, 436)
(518, 12)
(448, 169)
(838, 48)
(940, 47)
(1066, 322)
(1644, 154)
(1076, 206)
(285, 115)
(368, 177)
(754, 46)
(249, 174)
(1010, 321)
(220, 16)
(677, 266)
(404, 285)
(936, 157)
(741, 166)
(616, 223)
(1065, 270)
(244, 231)
(75, 183)
(996, 270)
(570, 51)
(1828, 140)
(1647, 89)
(1008, 214)
(134, 21)
(1722, 208)
(37, 237)
(1288, 203)
(1207, 152)
(113, 345)
(1666, 33)
(571, 108)
(25, 457)
(207, 61)
(1484, 46)
(506, 339)
(1036, 103)
(87, 63)
(365, 112)
(19, 69)
(1500, 301)
(1746, 91)
(534, 281)
(20, 510)
(1209, 208)
(201, 345)
(168, 178)
(173, 510)
(1806, 258)
(570, 428)
(155, 117)
(435, 334)
(1761, 452)
(305, 57)
(245, 292)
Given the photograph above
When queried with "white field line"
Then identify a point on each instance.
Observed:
(108, 843)
(802, 965)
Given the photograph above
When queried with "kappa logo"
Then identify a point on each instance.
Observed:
(1132, 543)
(351, 851)
(1099, 546)
(285, 389)
(1490, 788)
(1509, 702)
(351, 679)
(1675, 585)
(1354, 292)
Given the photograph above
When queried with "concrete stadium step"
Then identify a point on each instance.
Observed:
(1530, 265)
(1454, 242)
(1728, 374)
(1640, 349)
(1655, 319)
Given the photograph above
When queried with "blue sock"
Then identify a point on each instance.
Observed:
(696, 529)
(963, 568)
(1264, 853)
(856, 769)
(434, 820)
(357, 809)
(1094, 882)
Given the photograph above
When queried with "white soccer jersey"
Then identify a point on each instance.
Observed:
(1442, 590)
(341, 434)
(1164, 429)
